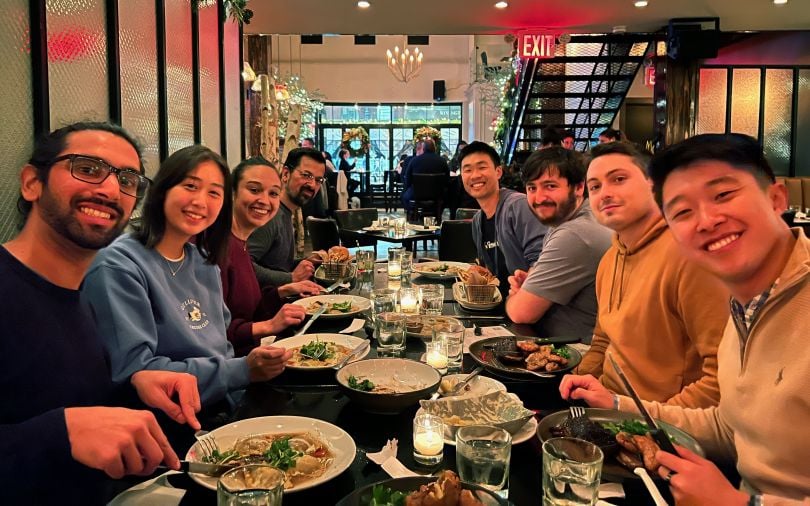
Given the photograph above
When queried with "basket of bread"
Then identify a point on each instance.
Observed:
(479, 283)
(336, 262)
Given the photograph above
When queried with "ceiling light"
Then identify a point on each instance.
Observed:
(780, 2)
(363, 4)
(640, 3)
(404, 64)
(501, 5)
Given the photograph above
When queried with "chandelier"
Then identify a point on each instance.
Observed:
(404, 64)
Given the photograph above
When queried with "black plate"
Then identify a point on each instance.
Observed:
(362, 496)
(611, 469)
(484, 353)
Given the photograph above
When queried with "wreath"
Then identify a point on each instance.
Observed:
(237, 9)
(427, 132)
(357, 141)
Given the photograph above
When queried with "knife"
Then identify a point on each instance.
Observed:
(188, 466)
(356, 351)
(334, 285)
(658, 434)
(318, 313)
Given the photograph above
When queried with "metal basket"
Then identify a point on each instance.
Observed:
(480, 293)
(336, 270)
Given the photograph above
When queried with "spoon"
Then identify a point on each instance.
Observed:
(460, 386)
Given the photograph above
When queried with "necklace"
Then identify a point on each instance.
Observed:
(170, 261)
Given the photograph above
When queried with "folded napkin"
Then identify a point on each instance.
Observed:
(387, 458)
(154, 492)
(486, 333)
(357, 324)
(267, 341)
(608, 490)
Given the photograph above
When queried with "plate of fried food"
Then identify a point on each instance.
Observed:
(337, 306)
(333, 264)
(320, 351)
(524, 357)
(439, 270)
(445, 490)
(477, 289)
(422, 326)
(623, 438)
(309, 451)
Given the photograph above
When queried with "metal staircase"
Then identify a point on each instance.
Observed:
(581, 89)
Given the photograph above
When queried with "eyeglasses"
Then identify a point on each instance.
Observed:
(95, 170)
(311, 177)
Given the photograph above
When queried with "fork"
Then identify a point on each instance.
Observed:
(207, 445)
(576, 411)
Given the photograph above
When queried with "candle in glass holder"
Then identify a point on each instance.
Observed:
(436, 359)
(394, 269)
(428, 439)
(408, 301)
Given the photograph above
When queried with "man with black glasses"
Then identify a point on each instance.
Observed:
(272, 246)
(77, 194)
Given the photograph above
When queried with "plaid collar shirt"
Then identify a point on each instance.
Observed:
(745, 315)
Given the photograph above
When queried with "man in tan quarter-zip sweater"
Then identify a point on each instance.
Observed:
(723, 206)
(660, 315)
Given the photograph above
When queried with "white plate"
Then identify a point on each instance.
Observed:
(421, 228)
(375, 229)
(359, 304)
(425, 269)
(480, 385)
(341, 442)
(458, 294)
(524, 434)
(346, 340)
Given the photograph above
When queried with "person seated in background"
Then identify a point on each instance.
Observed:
(660, 315)
(568, 139)
(558, 295)
(723, 205)
(506, 234)
(255, 312)
(345, 167)
(158, 297)
(610, 135)
(59, 431)
(272, 246)
(551, 137)
(455, 162)
(426, 162)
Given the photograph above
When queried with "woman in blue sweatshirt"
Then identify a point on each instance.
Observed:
(157, 296)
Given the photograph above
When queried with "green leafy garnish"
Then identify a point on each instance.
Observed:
(218, 457)
(280, 455)
(635, 427)
(365, 385)
(316, 350)
(343, 307)
(385, 496)
(441, 268)
(561, 351)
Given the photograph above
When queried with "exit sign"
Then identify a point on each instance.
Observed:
(536, 44)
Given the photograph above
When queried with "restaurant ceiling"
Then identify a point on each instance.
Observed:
(466, 17)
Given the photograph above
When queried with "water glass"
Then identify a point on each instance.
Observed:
(482, 457)
(389, 330)
(428, 439)
(385, 221)
(400, 226)
(251, 485)
(429, 221)
(408, 300)
(365, 260)
(453, 336)
(571, 471)
(431, 299)
(406, 262)
(436, 355)
(394, 262)
(383, 300)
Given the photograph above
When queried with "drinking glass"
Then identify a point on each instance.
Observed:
(571, 471)
(400, 225)
(383, 300)
(251, 485)
(429, 221)
(405, 262)
(385, 221)
(453, 336)
(431, 299)
(428, 439)
(394, 262)
(408, 300)
(482, 457)
(389, 330)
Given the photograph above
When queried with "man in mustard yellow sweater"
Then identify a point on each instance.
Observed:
(668, 349)
(722, 203)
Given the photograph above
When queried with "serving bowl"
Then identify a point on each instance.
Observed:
(417, 379)
(498, 408)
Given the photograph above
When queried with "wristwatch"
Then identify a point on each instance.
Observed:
(755, 500)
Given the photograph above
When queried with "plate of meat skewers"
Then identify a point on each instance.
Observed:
(526, 357)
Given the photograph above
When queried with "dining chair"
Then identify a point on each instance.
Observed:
(356, 219)
(323, 232)
(465, 213)
(428, 196)
(456, 242)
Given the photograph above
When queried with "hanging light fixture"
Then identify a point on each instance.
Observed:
(404, 65)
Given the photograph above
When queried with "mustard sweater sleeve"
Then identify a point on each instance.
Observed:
(592, 360)
(702, 304)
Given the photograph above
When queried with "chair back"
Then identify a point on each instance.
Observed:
(356, 219)
(465, 213)
(456, 242)
(323, 232)
(428, 187)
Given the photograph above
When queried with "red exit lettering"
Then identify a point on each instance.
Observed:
(537, 45)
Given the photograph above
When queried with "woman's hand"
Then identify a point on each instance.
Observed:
(266, 362)
(289, 315)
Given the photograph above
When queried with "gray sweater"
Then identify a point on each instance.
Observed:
(272, 248)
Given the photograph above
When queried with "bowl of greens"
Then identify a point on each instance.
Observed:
(388, 385)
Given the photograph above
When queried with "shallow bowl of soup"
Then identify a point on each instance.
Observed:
(388, 385)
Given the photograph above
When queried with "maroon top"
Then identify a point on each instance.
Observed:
(246, 301)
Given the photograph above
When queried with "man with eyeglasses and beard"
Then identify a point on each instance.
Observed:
(558, 294)
(272, 246)
(59, 438)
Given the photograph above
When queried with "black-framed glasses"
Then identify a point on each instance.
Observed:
(95, 170)
(309, 177)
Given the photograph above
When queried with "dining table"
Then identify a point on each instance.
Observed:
(412, 234)
(316, 394)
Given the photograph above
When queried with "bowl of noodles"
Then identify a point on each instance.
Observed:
(388, 385)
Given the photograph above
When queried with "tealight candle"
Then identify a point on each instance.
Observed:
(394, 270)
(436, 359)
(428, 439)
(408, 301)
